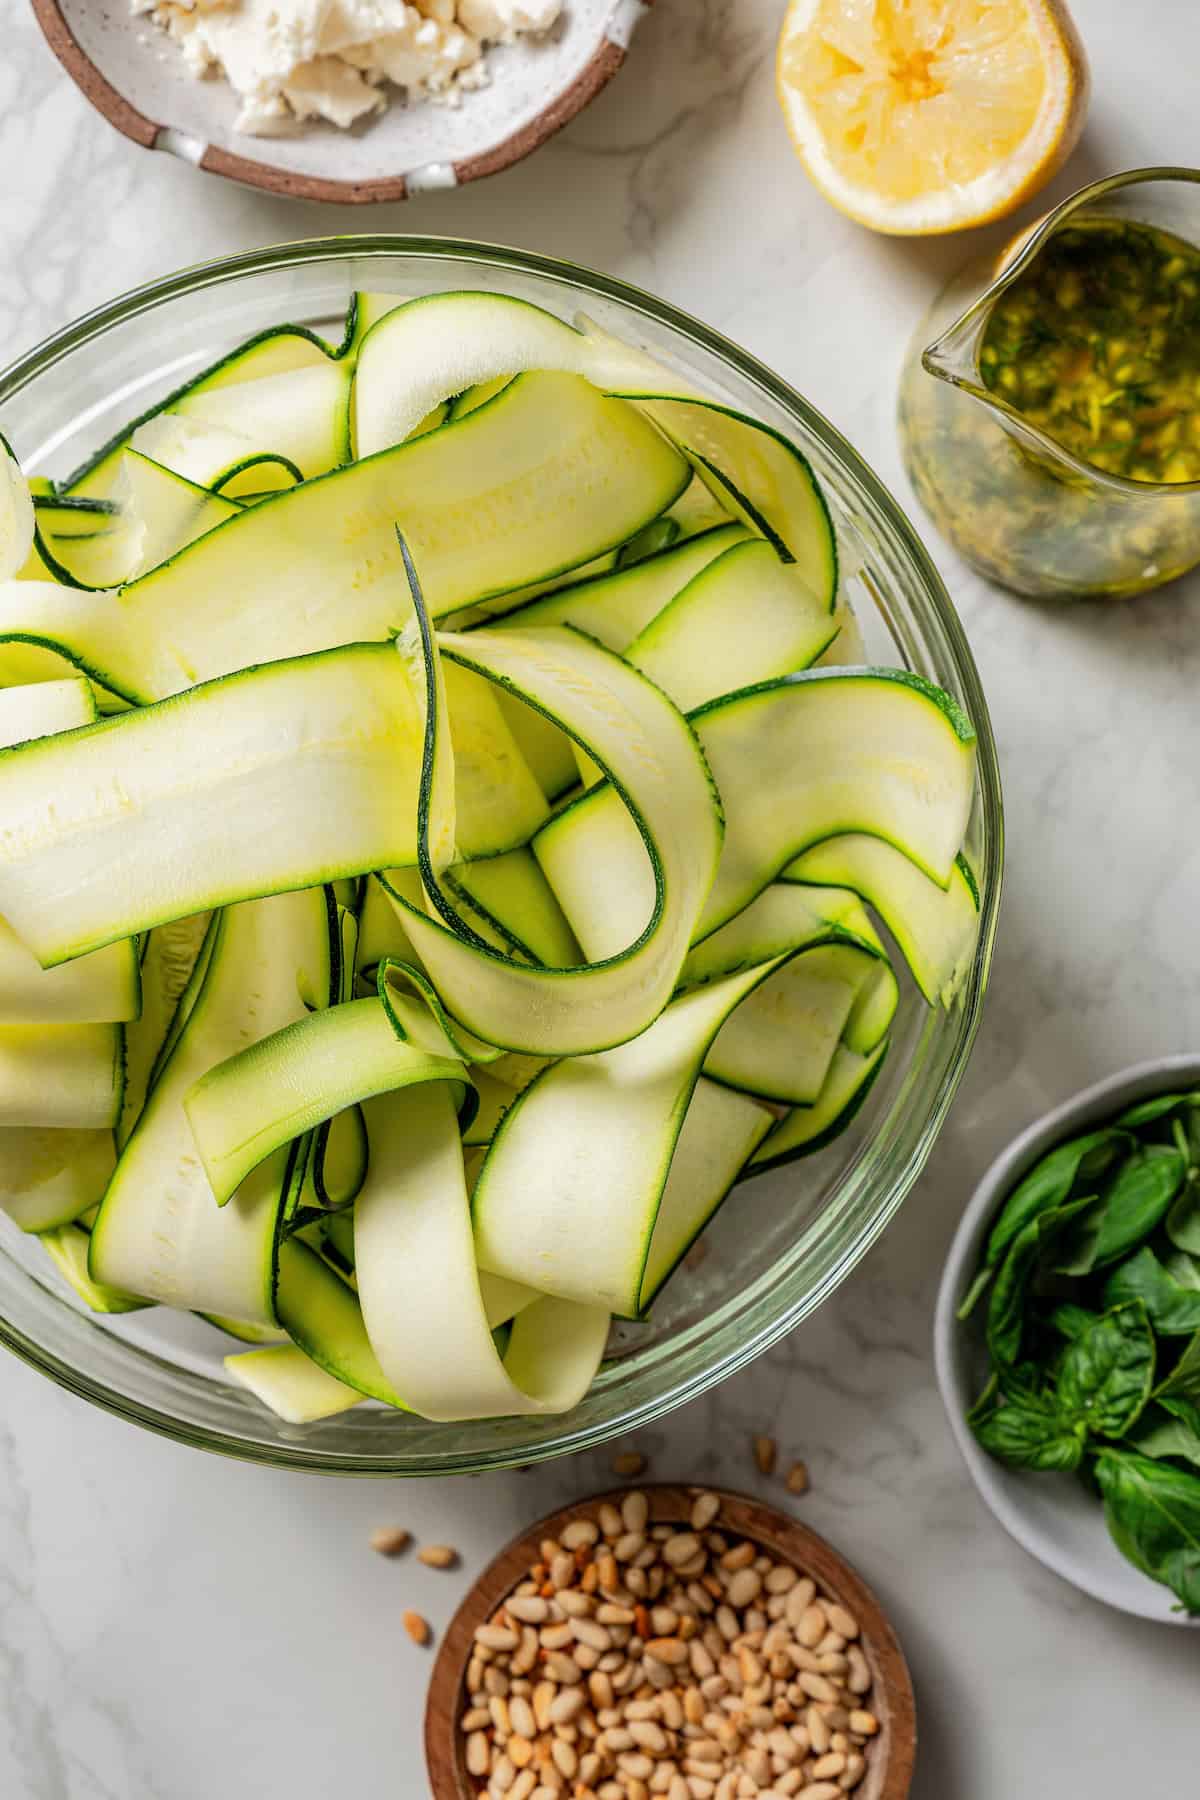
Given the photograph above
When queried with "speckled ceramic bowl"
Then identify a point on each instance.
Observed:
(1051, 1516)
(134, 75)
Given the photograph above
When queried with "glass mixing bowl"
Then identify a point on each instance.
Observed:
(783, 1241)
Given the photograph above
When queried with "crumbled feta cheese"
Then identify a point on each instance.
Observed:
(289, 60)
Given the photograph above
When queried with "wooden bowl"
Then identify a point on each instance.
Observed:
(131, 73)
(892, 1754)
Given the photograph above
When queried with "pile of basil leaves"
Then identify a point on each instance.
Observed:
(1092, 1281)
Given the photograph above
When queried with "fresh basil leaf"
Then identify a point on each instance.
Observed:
(1172, 1308)
(1136, 1199)
(1071, 1321)
(1106, 1375)
(1076, 1254)
(1029, 1437)
(1046, 1187)
(1147, 1111)
(1183, 1220)
(1184, 1268)
(1169, 1428)
(1183, 1381)
(1007, 1302)
(1153, 1514)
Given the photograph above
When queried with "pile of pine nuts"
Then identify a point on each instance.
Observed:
(638, 1660)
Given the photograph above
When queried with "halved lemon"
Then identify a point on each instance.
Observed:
(917, 116)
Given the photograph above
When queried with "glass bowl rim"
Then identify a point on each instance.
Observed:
(198, 277)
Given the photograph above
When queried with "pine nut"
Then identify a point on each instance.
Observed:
(564, 1669)
(681, 1549)
(523, 1786)
(811, 1628)
(417, 1628)
(856, 1768)
(780, 1579)
(521, 1718)
(579, 1533)
(704, 1511)
(503, 1776)
(628, 1464)
(799, 1599)
(841, 1621)
(669, 1650)
(390, 1540)
(556, 1637)
(610, 1520)
(744, 1587)
(797, 1478)
(438, 1556)
(864, 1724)
(818, 1732)
(629, 1545)
(740, 1557)
(495, 1681)
(765, 1453)
(858, 1679)
(478, 1753)
(496, 1637)
(567, 1707)
(575, 1604)
(634, 1762)
(648, 1735)
(520, 1751)
(530, 1609)
(635, 1511)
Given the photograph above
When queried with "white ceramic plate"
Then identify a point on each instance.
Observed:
(1051, 1516)
(132, 73)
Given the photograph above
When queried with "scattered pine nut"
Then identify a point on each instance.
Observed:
(438, 1556)
(390, 1540)
(628, 1464)
(765, 1453)
(417, 1628)
(797, 1478)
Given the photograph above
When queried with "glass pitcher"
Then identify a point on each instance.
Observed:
(1019, 505)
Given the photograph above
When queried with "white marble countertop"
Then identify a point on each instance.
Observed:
(173, 1627)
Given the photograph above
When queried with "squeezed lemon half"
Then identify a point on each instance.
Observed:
(916, 116)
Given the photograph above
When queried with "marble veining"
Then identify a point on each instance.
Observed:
(173, 1627)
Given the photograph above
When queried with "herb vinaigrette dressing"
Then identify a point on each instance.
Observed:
(1098, 345)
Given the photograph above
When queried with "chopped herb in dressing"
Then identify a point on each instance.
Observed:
(1098, 345)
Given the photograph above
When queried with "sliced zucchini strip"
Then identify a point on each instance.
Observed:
(160, 1232)
(48, 1176)
(61, 1075)
(759, 476)
(276, 351)
(97, 989)
(616, 606)
(67, 1248)
(548, 751)
(745, 618)
(667, 858)
(568, 1194)
(752, 471)
(291, 1384)
(168, 512)
(228, 463)
(381, 933)
(419, 1286)
(935, 927)
(511, 893)
(249, 1105)
(16, 515)
(301, 415)
(781, 1040)
(43, 709)
(278, 777)
(172, 967)
(439, 345)
(497, 801)
(720, 1133)
(809, 1128)
(784, 917)
(322, 1315)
